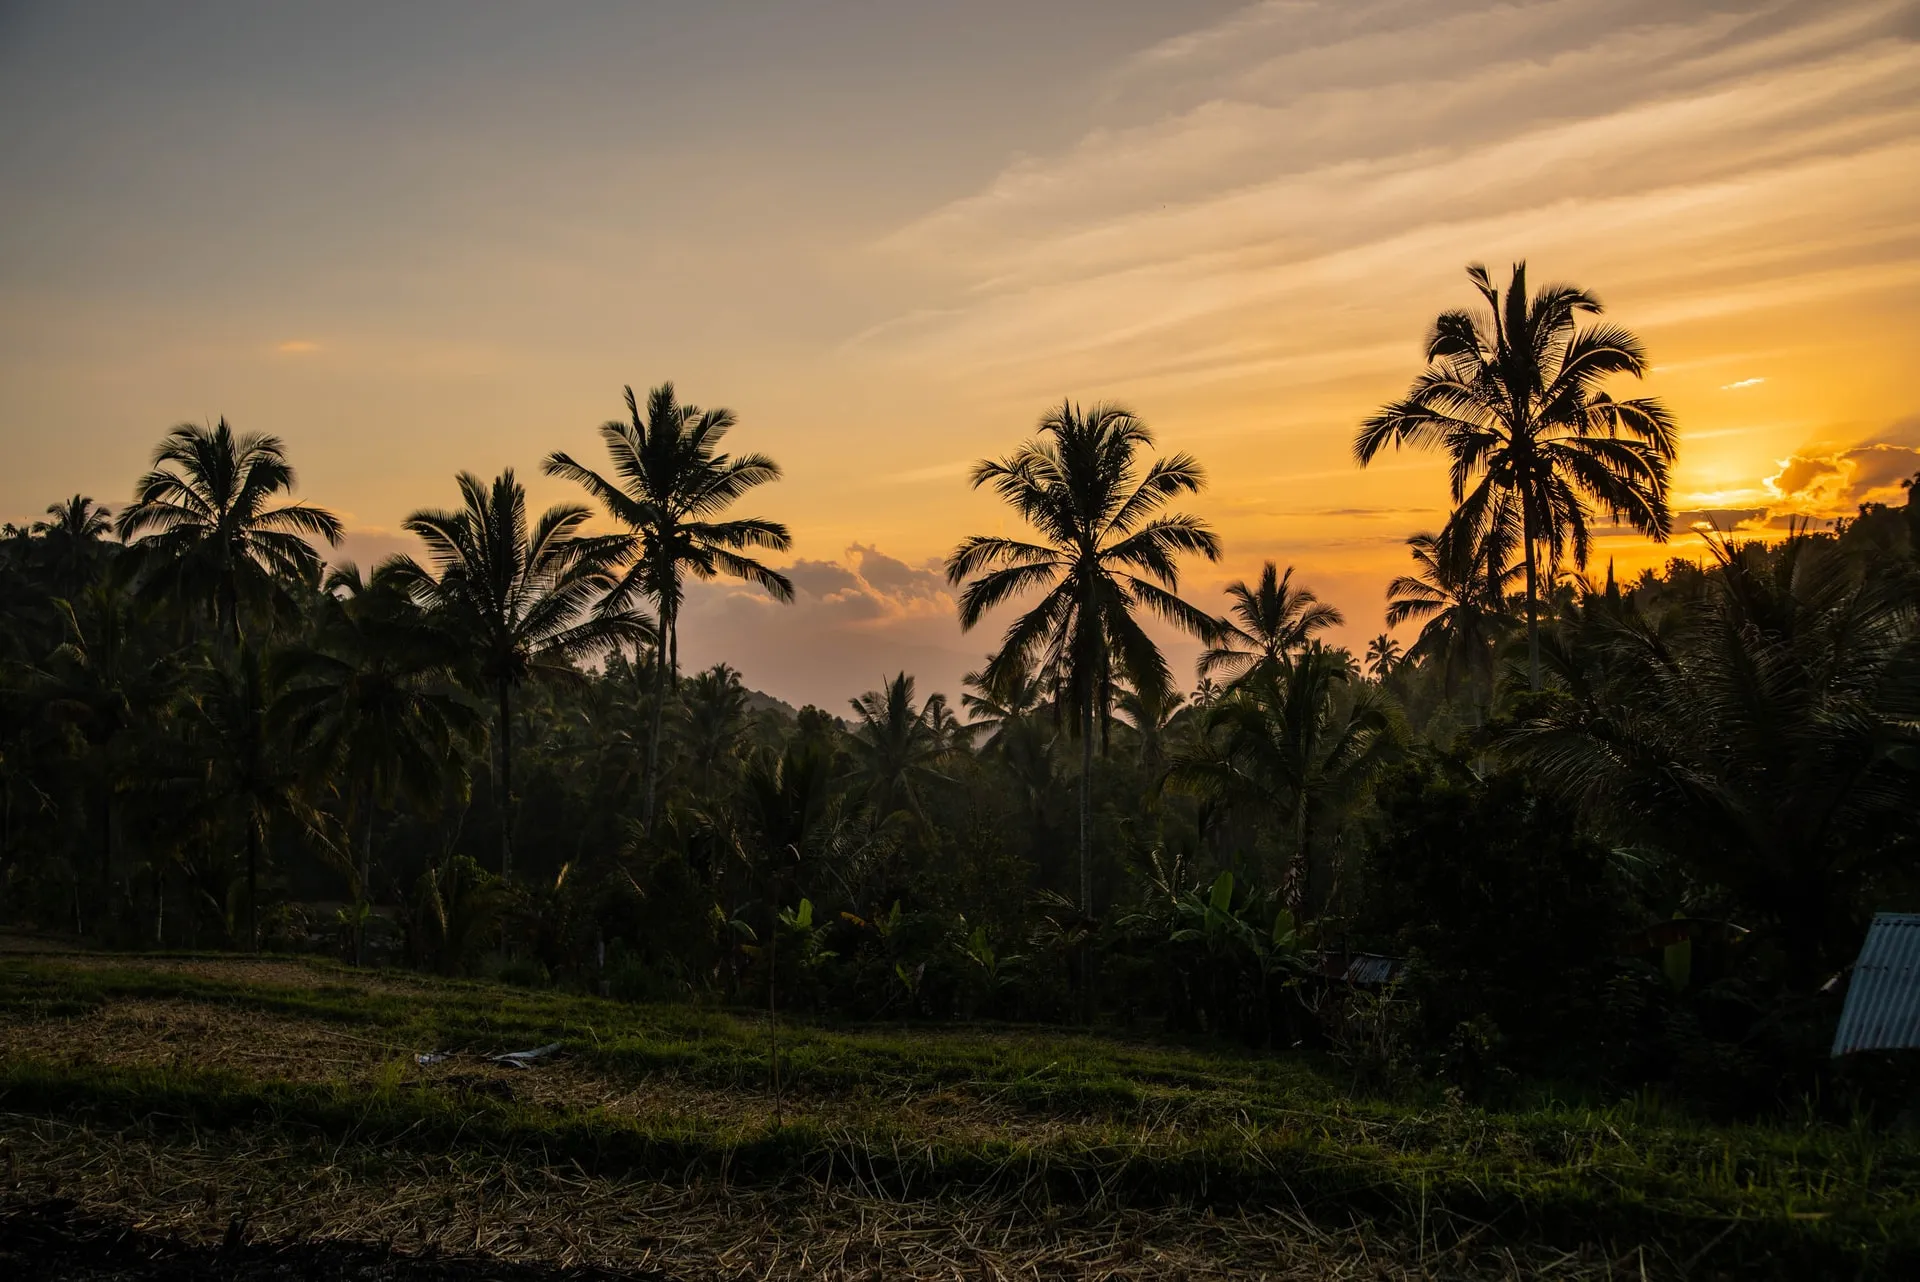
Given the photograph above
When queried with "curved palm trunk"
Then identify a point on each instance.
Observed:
(504, 781)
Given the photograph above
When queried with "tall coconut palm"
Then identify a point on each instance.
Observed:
(1299, 740)
(104, 682)
(1514, 397)
(253, 779)
(994, 709)
(371, 702)
(518, 601)
(1383, 656)
(896, 747)
(74, 532)
(1106, 552)
(714, 708)
(1151, 716)
(669, 488)
(1274, 618)
(1461, 593)
(208, 526)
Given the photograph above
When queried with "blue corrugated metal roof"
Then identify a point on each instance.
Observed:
(1369, 969)
(1883, 1001)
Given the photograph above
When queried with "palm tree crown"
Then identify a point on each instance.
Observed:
(1461, 592)
(211, 530)
(1383, 656)
(897, 745)
(1106, 551)
(74, 530)
(1514, 397)
(1274, 619)
(517, 599)
(1299, 739)
(669, 486)
(79, 519)
(994, 708)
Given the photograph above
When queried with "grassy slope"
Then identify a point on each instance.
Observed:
(1044, 1119)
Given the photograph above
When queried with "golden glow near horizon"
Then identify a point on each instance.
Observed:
(1240, 229)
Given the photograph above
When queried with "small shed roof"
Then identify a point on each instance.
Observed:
(1883, 1001)
(1366, 969)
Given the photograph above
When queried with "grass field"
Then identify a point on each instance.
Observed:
(236, 1117)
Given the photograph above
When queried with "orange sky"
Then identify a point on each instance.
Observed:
(888, 236)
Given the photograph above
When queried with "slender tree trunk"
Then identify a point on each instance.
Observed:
(773, 1016)
(106, 844)
(1086, 807)
(504, 791)
(1086, 856)
(659, 711)
(159, 904)
(1533, 596)
(227, 616)
(365, 905)
(253, 886)
(1294, 886)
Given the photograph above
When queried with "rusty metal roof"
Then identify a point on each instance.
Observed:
(1883, 1001)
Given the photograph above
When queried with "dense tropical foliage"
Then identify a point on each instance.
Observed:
(486, 758)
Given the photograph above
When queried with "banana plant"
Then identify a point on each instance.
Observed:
(798, 924)
(998, 971)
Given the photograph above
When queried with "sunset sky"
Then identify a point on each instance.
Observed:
(415, 239)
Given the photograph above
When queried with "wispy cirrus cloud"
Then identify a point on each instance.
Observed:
(1270, 188)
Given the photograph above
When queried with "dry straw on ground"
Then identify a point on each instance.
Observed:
(522, 1205)
(526, 1211)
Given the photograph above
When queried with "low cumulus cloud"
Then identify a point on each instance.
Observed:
(854, 621)
(1834, 482)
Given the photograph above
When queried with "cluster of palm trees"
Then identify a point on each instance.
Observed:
(1537, 448)
(499, 600)
(212, 665)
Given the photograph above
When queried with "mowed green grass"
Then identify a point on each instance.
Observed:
(1045, 1116)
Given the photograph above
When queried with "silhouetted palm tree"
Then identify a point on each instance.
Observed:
(670, 486)
(208, 529)
(1770, 745)
(1274, 620)
(714, 705)
(74, 533)
(1514, 397)
(950, 733)
(992, 709)
(896, 747)
(1298, 739)
(1383, 656)
(1151, 716)
(1460, 590)
(371, 703)
(1104, 556)
(103, 683)
(253, 779)
(517, 600)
